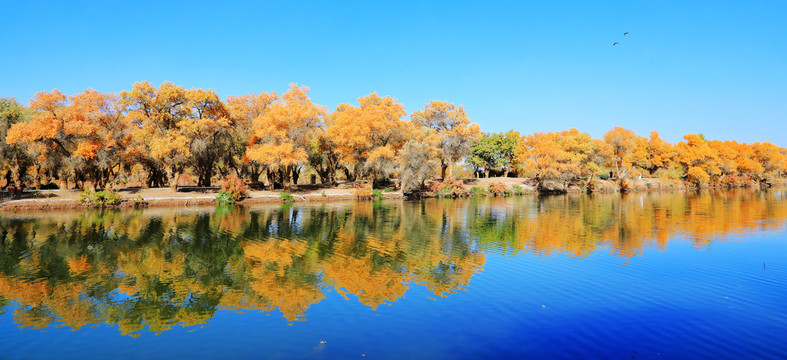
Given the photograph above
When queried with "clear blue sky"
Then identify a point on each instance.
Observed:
(716, 67)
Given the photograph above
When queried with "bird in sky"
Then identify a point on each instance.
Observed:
(615, 43)
(625, 33)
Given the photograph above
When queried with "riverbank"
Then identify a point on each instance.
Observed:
(70, 199)
(163, 197)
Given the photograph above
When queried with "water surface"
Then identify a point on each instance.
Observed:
(637, 276)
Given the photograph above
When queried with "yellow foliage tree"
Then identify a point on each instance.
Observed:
(281, 136)
(160, 128)
(698, 159)
(453, 127)
(624, 146)
(244, 109)
(561, 156)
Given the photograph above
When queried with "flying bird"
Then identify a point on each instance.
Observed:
(615, 43)
(625, 33)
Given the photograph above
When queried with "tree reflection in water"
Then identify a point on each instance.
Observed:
(158, 268)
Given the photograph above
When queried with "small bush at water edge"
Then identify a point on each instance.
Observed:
(477, 191)
(377, 194)
(235, 187)
(285, 197)
(100, 198)
(224, 198)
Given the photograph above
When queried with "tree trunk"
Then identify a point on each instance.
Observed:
(37, 177)
(16, 175)
(296, 173)
(350, 177)
(172, 175)
(285, 177)
(486, 173)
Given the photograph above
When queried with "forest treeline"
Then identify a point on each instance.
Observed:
(170, 135)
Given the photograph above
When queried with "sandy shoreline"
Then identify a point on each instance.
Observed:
(163, 197)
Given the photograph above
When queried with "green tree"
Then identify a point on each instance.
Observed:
(15, 158)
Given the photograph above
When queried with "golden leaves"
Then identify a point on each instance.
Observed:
(369, 132)
(282, 132)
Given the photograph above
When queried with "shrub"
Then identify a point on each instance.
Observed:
(100, 198)
(477, 191)
(517, 190)
(287, 198)
(323, 194)
(448, 188)
(377, 194)
(388, 189)
(235, 187)
(225, 198)
(139, 201)
(604, 176)
(497, 188)
(363, 190)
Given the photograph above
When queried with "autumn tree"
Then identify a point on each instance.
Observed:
(210, 132)
(727, 159)
(698, 159)
(624, 146)
(244, 109)
(281, 137)
(658, 154)
(369, 136)
(453, 127)
(160, 127)
(79, 137)
(563, 156)
(772, 160)
(323, 157)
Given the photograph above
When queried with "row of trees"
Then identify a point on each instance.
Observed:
(156, 134)
(152, 136)
(571, 156)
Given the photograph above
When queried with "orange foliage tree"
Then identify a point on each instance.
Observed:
(659, 154)
(699, 160)
(75, 138)
(369, 136)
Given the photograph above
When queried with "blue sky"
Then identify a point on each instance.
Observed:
(714, 67)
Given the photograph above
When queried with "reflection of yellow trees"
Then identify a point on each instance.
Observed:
(156, 269)
(272, 277)
(358, 276)
(578, 225)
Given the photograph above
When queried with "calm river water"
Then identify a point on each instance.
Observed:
(642, 276)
